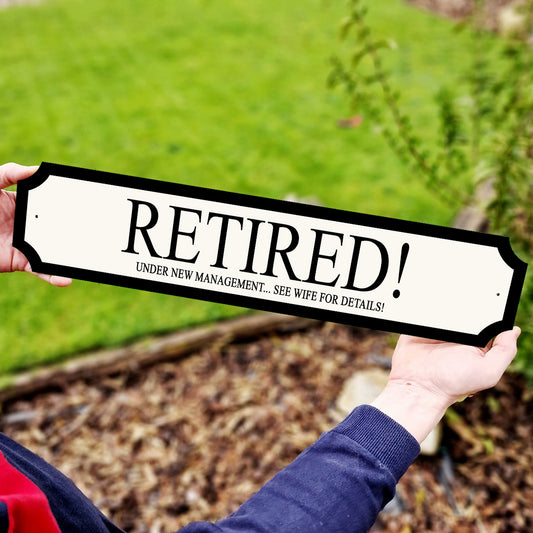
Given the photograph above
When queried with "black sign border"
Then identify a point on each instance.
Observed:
(501, 243)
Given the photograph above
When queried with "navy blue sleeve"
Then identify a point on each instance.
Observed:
(337, 485)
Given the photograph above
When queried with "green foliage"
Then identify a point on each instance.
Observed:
(227, 95)
(524, 359)
(483, 128)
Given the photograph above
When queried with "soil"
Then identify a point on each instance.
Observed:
(192, 439)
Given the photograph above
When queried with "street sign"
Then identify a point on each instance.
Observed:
(286, 257)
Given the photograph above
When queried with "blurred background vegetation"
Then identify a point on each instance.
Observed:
(477, 151)
(230, 96)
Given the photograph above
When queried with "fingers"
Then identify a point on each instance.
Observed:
(58, 281)
(10, 173)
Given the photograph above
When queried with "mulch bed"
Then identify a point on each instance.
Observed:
(192, 439)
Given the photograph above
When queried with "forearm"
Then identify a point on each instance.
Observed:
(338, 484)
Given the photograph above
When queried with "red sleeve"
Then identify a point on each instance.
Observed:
(27, 506)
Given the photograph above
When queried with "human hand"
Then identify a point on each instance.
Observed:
(12, 259)
(428, 376)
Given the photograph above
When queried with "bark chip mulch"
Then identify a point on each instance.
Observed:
(192, 439)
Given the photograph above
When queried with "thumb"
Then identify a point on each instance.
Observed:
(10, 173)
(503, 351)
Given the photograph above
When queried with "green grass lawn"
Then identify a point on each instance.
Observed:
(227, 95)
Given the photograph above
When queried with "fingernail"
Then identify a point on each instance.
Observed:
(60, 281)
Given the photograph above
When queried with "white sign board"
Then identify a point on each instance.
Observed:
(286, 257)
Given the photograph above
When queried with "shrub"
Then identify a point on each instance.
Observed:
(483, 132)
